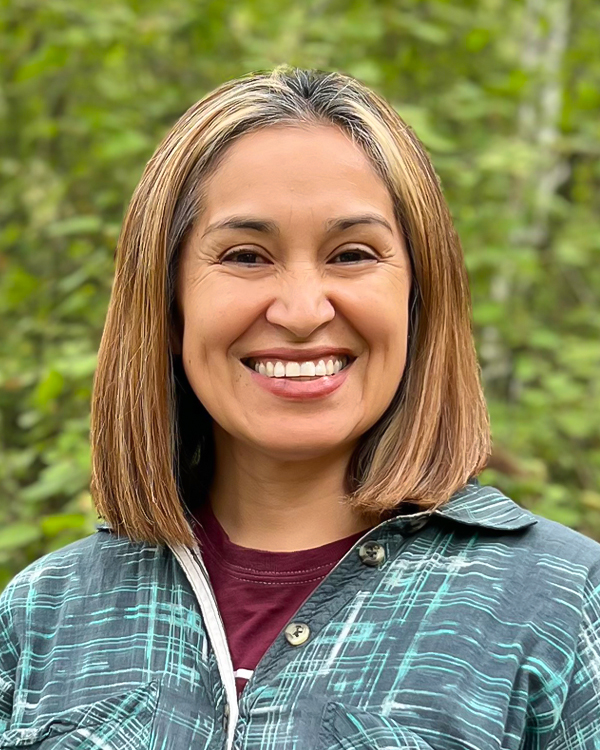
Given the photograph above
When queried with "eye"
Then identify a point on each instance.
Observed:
(243, 257)
(353, 256)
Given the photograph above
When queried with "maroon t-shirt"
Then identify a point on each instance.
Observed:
(258, 592)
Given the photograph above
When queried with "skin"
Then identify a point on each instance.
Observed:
(280, 465)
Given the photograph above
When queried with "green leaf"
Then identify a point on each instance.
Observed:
(75, 225)
(17, 535)
(59, 522)
(49, 388)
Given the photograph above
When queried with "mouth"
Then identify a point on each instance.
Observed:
(299, 370)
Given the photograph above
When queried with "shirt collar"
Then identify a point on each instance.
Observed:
(473, 505)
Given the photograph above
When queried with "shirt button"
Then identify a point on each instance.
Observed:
(371, 554)
(296, 633)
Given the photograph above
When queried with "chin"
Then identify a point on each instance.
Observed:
(298, 450)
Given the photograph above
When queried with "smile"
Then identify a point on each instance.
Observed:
(287, 379)
(295, 369)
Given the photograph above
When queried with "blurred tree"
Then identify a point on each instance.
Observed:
(504, 94)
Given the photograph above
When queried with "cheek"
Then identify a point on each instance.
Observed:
(215, 315)
(386, 331)
(380, 313)
(385, 328)
(213, 319)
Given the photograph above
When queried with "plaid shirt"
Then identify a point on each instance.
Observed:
(475, 627)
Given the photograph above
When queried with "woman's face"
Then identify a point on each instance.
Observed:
(296, 266)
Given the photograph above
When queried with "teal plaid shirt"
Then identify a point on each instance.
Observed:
(472, 628)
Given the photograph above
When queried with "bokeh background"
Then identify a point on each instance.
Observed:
(505, 95)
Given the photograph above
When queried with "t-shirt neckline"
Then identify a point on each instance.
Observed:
(217, 543)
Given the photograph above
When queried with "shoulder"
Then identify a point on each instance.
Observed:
(501, 519)
(544, 562)
(550, 538)
(86, 568)
(568, 563)
(560, 568)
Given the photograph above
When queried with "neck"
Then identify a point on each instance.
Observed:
(266, 503)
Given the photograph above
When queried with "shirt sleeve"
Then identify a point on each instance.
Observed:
(579, 724)
(8, 659)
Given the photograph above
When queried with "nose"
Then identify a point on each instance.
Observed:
(300, 303)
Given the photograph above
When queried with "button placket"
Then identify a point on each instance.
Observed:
(346, 579)
(297, 633)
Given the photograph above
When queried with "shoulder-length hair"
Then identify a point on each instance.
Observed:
(152, 450)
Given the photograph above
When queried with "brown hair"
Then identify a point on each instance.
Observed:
(152, 439)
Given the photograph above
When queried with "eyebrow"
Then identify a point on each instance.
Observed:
(270, 227)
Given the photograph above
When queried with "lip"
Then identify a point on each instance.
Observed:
(300, 355)
(293, 390)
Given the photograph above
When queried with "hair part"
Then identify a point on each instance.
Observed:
(152, 439)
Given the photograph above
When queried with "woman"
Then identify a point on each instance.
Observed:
(287, 427)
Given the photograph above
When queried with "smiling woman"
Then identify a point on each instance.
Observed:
(287, 427)
(315, 274)
(295, 212)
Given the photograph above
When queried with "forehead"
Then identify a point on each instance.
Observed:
(316, 168)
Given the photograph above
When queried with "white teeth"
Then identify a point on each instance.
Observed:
(300, 369)
(307, 369)
(292, 370)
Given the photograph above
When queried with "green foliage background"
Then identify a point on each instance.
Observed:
(505, 94)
